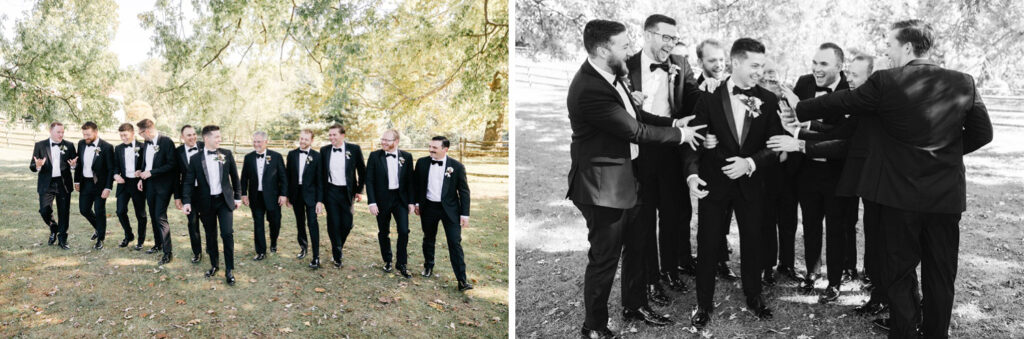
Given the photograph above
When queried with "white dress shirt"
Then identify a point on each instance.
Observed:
(739, 111)
(337, 166)
(129, 160)
(90, 155)
(435, 180)
(260, 162)
(392, 170)
(213, 169)
(151, 152)
(655, 87)
(55, 158)
(302, 163)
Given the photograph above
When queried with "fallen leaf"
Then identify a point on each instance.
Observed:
(285, 330)
(435, 305)
(180, 301)
(320, 290)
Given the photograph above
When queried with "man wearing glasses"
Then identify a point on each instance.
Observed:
(389, 193)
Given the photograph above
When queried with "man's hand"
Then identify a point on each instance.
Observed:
(245, 200)
(711, 141)
(359, 197)
(282, 200)
(39, 162)
(789, 95)
(78, 187)
(177, 204)
(783, 143)
(138, 173)
(139, 185)
(738, 168)
(417, 210)
(709, 85)
(319, 208)
(464, 221)
(105, 193)
(374, 210)
(118, 179)
(638, 98)
(690, 132)
(73, 162)
(695, 183)
(412, 208)
(146, 175)
(238, 203)
(187, 209)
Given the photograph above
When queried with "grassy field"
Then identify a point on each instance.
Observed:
(49, 292)
(551, 250)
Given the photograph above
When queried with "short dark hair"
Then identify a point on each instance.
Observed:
(653, 21)
(55, 124)
(341, 129)
(742, 46)
(868, 58)
(598, 33)
(208, 129)
(917, 33)
(145, 124)
(126, 127)
(708, 42)
(182, 131)
(835, 49)
(89, 125)
(444, 141)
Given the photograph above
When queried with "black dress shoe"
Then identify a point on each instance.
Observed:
(387, 267)
(871, 308)
(260, 256)
(64, 246)
(197, 258)
(674, 283)
(166, 258)
(807, 285)
(603, 333)
(94, 236)
(125, 242)
(302, 254)
(867, 287)
(154, 249)
(211, 272)
(688, 269)
(99, 245)
(229, 278)
(700, 318)
(656, 295)
(137, 247)
(404, 272)
(831, 294)
(790, 273)
(726, 273)
(315, 264)
(273, 249)
(757, 306)
(428, 272)
(882, 323)
(337, 263)
(768, 278)
(646, 314)
(865, 279)
(52, 239)
(850, 274)
(464, 286)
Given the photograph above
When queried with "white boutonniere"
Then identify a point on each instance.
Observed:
(156, 148)
(348, 155)
(673, 71)
(220, 158)
(401, 161)
(448, 172)
(267, 157)
(309, 159)
(753, 105)
(96, 151)
(135, 149)
(63, 148)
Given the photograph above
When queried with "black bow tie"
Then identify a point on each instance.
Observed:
(149, 142)
(390, 155)
(260, 156)
(90, 145)
(823, 89)
(54, 145)
(737, 90)
(435, 162)
(192, 149)
(211, 152)
(663, 66)
(303, 152)
(336, 149)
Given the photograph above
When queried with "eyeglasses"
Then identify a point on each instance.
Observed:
(666, 37)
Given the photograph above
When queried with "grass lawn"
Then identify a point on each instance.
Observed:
(81, 292)
(551, 247)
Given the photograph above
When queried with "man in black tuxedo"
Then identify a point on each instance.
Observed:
(215, 197)
(127, 158)
(668, 89)
(264, 190)
(745, 115)
(93, 179)
(158, 174)
(818, 177)
(607, 126)
(305, 194)
(54, 181)
(389, 193)
(931, 117)
(344, 173)
(442, 195)
(189, 147)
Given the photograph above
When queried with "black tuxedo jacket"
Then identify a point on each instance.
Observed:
(684, 87)
(355, 167)
(454, 187)
(377, 178)
(181, 157)
(275, 179)
(42, 151)
(119, 161)
(199, 196)
(715, 111)
(312, 190)
(804, 89)
(930, 118)
(602, 172)
(102, 163)
(165, 165)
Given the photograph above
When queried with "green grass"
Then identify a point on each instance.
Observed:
(81, 292)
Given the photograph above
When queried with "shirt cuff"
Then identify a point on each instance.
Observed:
(682, 136)
(464, 217)
(691, 176)
(238, 202)
(753, 166)
(373, 204)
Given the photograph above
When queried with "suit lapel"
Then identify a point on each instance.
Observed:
(445, 177)
(202, 160)
(636, 78)
(746, 127)
(727, 111)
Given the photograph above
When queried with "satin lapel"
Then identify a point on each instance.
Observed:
(636, 77)
(727, 110)
(202, 160)
(746, 127)
(445, 177)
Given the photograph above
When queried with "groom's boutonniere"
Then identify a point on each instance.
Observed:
(448, 172)
(348, 155)
(220, 158)
(753, 105)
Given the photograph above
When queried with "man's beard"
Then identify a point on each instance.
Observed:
(618, 67)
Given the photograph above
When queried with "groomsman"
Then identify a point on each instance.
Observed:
(442, 195)
(305, 194)
(54, 181)
(818, 178)
(264, 190)
(745, 115)
(920, 183)
(344, 174)
(127, 158)
(607, 125)
(389, 193)
(216, 197)
(188, 148)
(94, 179)
(158, 180)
